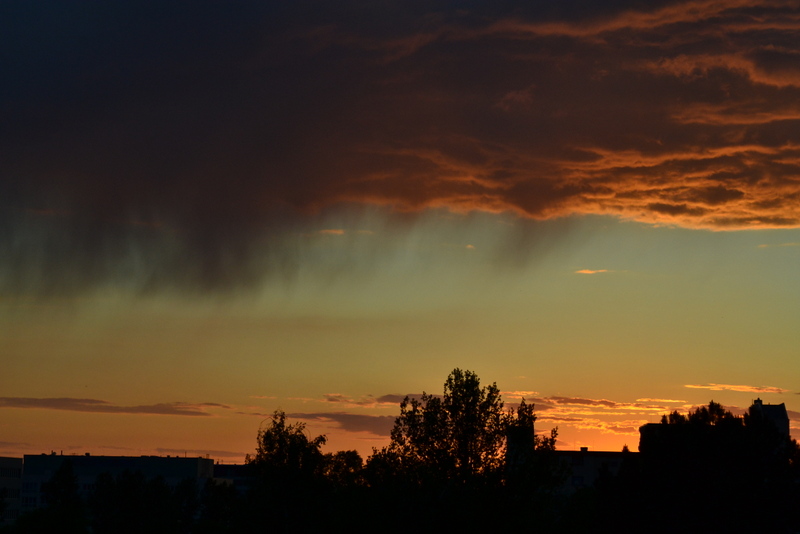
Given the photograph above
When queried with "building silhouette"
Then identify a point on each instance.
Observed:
(776, 414)
(37, 470)
(10, 488)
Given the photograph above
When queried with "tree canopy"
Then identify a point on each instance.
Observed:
(284, 449)
(456, 436)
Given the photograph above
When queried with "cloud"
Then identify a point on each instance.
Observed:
(624, 427)
(559, 419)
(336, 397)
(100, 406)
(589, 271)
(780, 245)
(603, 404)
(370, 401)
(519, 394)
(661, 400)
(208, 163)
(380, 425)
(14, 444)
(392, 398)
(742, 388)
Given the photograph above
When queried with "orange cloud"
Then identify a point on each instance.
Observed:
(780, 245)
(590, 271)
(380, 425)
(519, 394)
(101, 406)
(743, 388)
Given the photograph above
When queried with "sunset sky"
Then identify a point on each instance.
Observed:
(213, 210)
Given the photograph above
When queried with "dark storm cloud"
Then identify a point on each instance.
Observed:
(177, 144)
(100, 406)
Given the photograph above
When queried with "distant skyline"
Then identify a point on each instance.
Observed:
(212, 211)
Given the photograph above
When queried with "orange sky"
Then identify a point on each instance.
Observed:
(207, 214)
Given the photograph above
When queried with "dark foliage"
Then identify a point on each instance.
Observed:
(706, 471)
(459, 462)
(130, 503)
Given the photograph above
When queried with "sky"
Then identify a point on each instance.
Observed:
(210, 211)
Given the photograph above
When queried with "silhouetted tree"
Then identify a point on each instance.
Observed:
(529, 458)
(287, 468)
(714, 457)
(457, 437)
(533, 472)
(445, 455)
(455, 458)
(284, 450)
(342, 469)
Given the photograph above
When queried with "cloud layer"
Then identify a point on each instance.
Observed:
(100, 406)
(738, 387)
(192, 139)
(379, 425)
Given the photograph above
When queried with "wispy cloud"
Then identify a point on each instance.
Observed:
(101, 406)
(604, 404)
(394, 398)
(670, 401)
(302, 399)
(622, 427)
(604, 415)
(519, 394)
(590, 271)
(14, 444)
(336, 397)
(738, 387)
(780, 245)
(369, 401)
(380, 425)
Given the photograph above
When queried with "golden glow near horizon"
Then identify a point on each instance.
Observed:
(683, 315)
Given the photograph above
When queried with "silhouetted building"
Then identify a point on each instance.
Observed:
(240, 476)
(39, 469)
(775, 413)
(10, 488)
(584, 467)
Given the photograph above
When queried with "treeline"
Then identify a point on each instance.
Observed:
(709, 471)
(461, 462)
